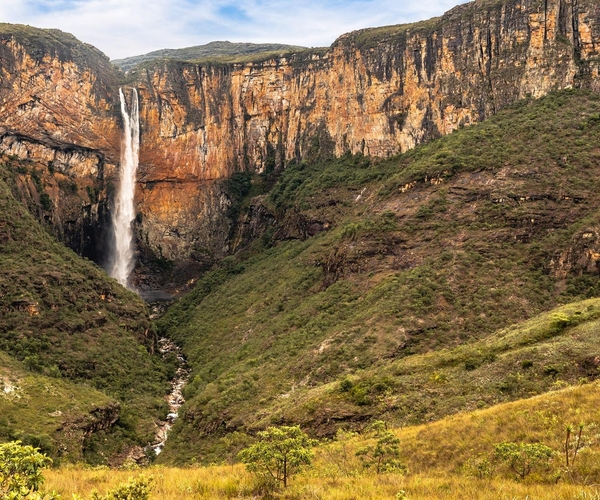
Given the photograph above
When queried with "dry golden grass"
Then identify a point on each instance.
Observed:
(220, 482)
(168, 483)
(436, 455)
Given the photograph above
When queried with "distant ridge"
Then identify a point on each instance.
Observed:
(210, 50)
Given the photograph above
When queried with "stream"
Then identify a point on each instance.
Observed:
(175, 397)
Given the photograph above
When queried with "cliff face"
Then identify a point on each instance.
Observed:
(57, 101)
(57, 110)
(377, 92)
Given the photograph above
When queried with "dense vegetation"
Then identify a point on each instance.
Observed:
(62, 317)
(399, 303)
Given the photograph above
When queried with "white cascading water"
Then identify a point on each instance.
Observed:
(122, 258)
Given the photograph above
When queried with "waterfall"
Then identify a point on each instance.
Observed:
(122, 254)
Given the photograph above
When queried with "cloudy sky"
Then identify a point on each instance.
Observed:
(122, 28)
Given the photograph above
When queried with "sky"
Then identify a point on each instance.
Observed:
(123, 28)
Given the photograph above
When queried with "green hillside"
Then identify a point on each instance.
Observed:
(62, 317)
(399, 303)
(51, 413)
(453, 458)
(219, 51)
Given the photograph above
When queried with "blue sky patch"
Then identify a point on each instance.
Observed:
(231, 12)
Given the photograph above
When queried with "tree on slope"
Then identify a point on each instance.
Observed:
(279, 453)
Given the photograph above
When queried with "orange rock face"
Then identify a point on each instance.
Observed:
(57, 110)
(54, 107)
(377, 92)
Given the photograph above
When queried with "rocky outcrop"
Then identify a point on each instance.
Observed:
(74, 432)
(376, 92)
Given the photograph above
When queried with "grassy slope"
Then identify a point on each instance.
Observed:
(442, 458)
(47, 412)
(63, 317)
(447, 244)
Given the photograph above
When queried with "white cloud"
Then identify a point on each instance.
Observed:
(122, 28)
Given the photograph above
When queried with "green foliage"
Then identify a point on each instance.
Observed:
(135, 489)
(384, 455)
(301, 182)
(237, 187)
(400, 305)
(479, 466)
(523, 458)
(46, 201)
(61, 316)
(20, 470)
(279, 453)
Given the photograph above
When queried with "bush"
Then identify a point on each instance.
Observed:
(20, 470)
(384, 455)
(523, 458)
(136, 489)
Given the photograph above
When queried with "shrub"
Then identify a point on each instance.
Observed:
(384, 455)
(523, 458)
(136, 489)
(20, 470)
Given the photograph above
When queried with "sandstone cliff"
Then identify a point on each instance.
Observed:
(377, 92)
(58, 110)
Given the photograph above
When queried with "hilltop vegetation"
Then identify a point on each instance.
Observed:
(391, 307)
(63, 318)
(213, 51)
(41, 42)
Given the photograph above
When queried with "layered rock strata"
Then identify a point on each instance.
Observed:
(376, 92)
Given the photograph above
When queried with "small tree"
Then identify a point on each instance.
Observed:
(21, 470)
(523, 458)
(279, 453)
(384, 455)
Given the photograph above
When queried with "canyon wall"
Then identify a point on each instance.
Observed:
(377, 92)
(58, 112)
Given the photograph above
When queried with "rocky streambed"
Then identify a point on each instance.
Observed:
(175, 397)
